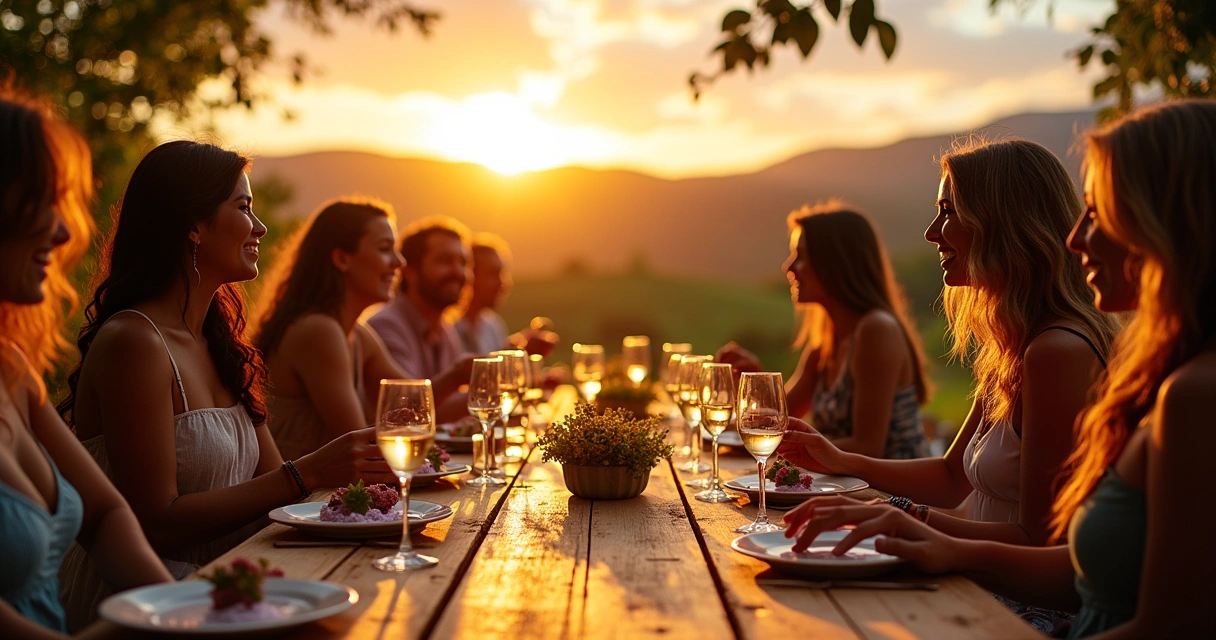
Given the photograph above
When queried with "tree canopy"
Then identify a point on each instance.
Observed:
(1156, 45)
(115, 64)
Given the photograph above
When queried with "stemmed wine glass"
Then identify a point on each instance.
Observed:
(485, 399)
(536, 388)
(761, 416)
(671, 384)
(690, 405)
(717, 396)
(588, 365)
(635, 357)
(513, 385)
(405, 431)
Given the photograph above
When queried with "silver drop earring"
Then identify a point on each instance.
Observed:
(197, 275)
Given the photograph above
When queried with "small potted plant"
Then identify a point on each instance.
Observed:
(605, 456)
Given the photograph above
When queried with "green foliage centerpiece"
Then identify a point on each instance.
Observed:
(621, 393)
(605, 456)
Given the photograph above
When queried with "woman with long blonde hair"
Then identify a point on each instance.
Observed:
(862, 372)
(1020, 314)
(1131, 510)
(51, 491)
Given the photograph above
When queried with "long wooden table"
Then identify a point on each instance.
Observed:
(530, 560)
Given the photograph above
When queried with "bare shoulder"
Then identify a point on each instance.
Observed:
(1185, 403)
(880, 326)
(130, 338)
(1057, 350)
(313, 330)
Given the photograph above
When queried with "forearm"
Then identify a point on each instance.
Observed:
(855, 445)
(923, 480)
(121, 553)
(1038, 576)
(1005, 532)
(199, 517)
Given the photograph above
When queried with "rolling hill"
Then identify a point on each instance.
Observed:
(728, 227)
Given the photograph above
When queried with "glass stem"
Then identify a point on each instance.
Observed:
(487, 447)
(713, 481)
(762, 514)
(406, 548)
(696, 446)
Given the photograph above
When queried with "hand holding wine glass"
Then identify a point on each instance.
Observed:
(405, 431)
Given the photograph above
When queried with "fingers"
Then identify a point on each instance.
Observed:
(798, 516)
(796, 424)
(798, 437)
(835, 517)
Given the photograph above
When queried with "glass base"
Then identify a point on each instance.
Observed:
(759, 527)
(691, 467)
(498, 473)
(405, 562)
(485, 481)
(699, 483)
(713, 495)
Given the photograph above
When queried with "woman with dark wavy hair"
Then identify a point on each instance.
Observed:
(324, 365)
(168, 394)
(51, 491)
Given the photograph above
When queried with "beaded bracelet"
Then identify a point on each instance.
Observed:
(290, 467)
(900, 502)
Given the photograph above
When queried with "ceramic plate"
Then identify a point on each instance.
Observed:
(454, 444)
(181, 607)
(306, 517)
(427, 479)
(816, 562)
(823, 485)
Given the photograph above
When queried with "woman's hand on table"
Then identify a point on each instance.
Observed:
(345, 459)
(899, 534)
(805, 447)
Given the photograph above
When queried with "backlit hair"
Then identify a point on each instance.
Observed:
(1154, 190)
(849, 260)
(1020, 205)
(304, 279)
(44, 163)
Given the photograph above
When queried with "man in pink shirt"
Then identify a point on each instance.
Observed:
(436, 252)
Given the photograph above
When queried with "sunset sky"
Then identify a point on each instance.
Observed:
(522, 85)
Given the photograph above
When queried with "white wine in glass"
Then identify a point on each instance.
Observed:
(761, 415)
(513, 385)
(717, 395)
(485, 400)
(405, 430)
(588, 366)
(690, 406)
(635, 357)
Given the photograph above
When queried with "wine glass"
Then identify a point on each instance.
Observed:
(635, 357)
(536, 387)
(405, 431)
(717, 397)
(512, 385)
(690, 371)
(671, 384)
(588, 368)
(761, 416)
(485, 403)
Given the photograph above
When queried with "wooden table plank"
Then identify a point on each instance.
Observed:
(646, 572)
(960, 610)
(760, 612)
(528, 578)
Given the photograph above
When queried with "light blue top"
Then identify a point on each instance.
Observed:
(32, 543)
(1107, 538)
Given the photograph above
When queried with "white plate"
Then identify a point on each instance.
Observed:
(427, 479)
(454, 444)
(822, 485)
(775, 549)
(306, 516)
(181, 607)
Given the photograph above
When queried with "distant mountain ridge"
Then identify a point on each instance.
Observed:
(730, 227)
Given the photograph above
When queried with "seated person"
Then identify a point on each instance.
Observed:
(324, 366)
(480, 327)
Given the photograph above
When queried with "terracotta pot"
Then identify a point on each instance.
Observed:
(603, 483)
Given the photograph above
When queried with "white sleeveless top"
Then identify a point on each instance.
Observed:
(216, 448)
(993, 464)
